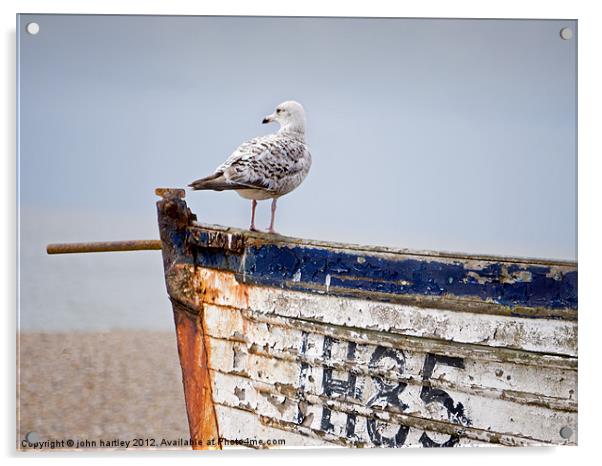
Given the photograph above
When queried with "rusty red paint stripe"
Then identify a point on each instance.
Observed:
(193, 351)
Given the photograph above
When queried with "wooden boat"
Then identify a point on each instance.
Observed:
(290, 342)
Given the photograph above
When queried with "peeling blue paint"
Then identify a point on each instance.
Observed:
(305, 268)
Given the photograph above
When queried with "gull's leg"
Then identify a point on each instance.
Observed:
(253, 205)
(271, 229)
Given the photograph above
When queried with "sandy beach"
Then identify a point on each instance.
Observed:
(118, 385)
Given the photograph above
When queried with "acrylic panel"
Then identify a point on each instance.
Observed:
(157, 309)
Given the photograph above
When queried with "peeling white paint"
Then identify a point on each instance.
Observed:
(280, 348)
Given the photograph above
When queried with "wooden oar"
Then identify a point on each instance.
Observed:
(104, 246)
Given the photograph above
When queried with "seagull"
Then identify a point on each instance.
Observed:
(266, 167)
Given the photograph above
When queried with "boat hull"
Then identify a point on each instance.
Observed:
(288, 343)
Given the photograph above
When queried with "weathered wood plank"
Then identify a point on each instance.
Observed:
(210, 236)
(193, 351)
(346, 423)
(528, 384)
(411, 395)
(549, 289)
(236, 421)
(538, 335)
(247, 427)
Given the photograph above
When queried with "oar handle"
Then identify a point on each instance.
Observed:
(104, 246)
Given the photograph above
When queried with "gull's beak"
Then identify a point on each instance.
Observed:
(268, 119)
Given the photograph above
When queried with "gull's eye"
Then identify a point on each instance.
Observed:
(278, 110)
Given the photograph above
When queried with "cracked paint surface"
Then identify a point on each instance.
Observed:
(335, 345)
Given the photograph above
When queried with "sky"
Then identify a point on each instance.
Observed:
(455, 135)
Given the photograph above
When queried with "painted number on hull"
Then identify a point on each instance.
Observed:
(384, 394)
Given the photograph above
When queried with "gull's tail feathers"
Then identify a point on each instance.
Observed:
(215, 182)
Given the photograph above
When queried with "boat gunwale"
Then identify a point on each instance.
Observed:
(235, 242)
(269, 238)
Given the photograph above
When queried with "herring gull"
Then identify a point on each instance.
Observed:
(266, 167)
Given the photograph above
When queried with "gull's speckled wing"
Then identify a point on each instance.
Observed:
(275, 163)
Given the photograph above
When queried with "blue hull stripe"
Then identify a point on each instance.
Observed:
(311, 268)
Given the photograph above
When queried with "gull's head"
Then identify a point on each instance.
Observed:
(290, 115)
